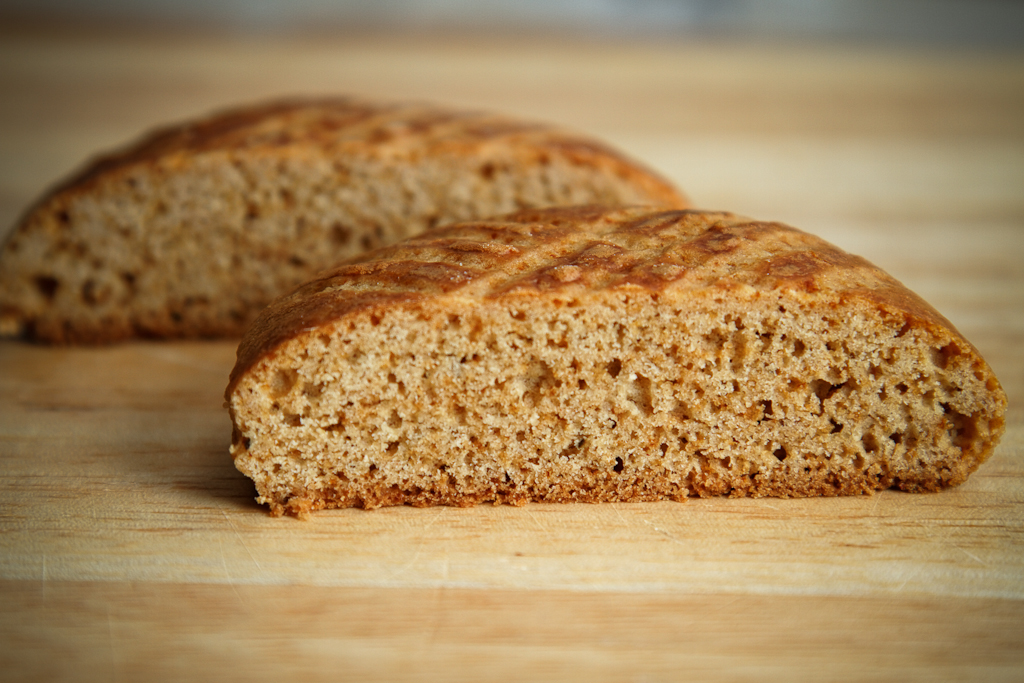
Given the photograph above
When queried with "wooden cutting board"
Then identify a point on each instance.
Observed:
(131, 549)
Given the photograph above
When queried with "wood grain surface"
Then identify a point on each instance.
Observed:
(130, 548)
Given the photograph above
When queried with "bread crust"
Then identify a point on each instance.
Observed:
(921, 409)
(190, 231)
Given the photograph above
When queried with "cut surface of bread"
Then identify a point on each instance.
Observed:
(594, 354)
(192, 230)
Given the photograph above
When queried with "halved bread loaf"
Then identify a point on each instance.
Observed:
(191, 231)
(594, 354)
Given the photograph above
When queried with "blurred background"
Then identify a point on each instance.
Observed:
(988, 23)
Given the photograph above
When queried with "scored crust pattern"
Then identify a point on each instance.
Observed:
(596, 354)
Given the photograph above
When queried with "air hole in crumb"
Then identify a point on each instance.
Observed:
(824, 390)
(664, 449)
(870, 443)
(340, 235)
(780, 453)
(89, 293)
(283, 381)
(896, 437)
(766, 409)
(487, 171)
(582, 384)
(963, 428)
(518, 315)
(392, 447)
(715, 340)
(942, 357)
(573, 449)
(619, 465)
(395, 420)
(836, 427)
(292, 420)
(640, 395)
(47, 286)
(391, 378)
(799, 348)
(902, 388)
(536, 380)
(614, 367)
(375, 319)
(739, 348)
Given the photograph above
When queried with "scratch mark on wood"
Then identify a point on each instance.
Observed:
(619, 513)
(664, 533)
(242, 541)
(535, 519)
(231, 580)
(971, 555)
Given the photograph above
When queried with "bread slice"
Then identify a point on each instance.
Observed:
(191, 231)
(594, 354)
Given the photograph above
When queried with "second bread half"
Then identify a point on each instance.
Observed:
(194, 229)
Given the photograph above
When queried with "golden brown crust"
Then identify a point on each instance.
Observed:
(539, 250)
(591, 354)
(192, 230)
(343, 125)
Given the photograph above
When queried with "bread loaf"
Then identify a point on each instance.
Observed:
(191, 231)
(594, 354)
